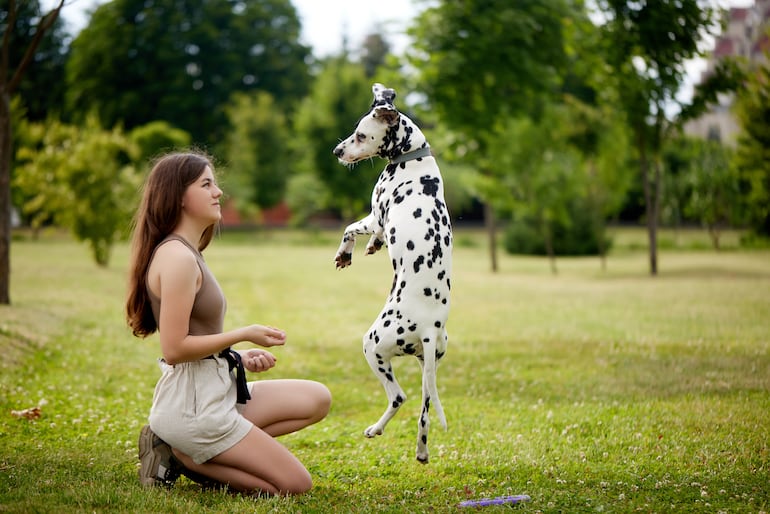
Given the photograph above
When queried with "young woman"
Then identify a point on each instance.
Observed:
(206, 422)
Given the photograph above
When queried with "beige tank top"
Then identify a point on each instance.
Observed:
(208, 310)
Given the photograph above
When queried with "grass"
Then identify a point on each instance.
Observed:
(589, 391)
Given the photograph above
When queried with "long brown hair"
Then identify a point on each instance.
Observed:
(158, 214)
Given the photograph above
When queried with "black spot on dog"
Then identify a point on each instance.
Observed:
(417, 213)
(429, 185)
(427, 291)
(418, 262)
(410, 245)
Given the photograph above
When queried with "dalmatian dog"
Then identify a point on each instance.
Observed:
(410, 216)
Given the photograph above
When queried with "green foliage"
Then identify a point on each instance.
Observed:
(39, 181)
(753, 152)
(483, 61)
(647, 45)
(728, 76)
(340, 95)
(576, 237)
(306, 196)
(610, 393)
(375, 49)
(256, 151)
(715, 198)
(82, 178)
(157, 137)
(42, 86)
(558, 189)
(180, 60)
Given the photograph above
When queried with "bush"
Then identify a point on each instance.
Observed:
(578, 237)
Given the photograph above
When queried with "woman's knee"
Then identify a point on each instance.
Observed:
(299, 483)
(323, 399)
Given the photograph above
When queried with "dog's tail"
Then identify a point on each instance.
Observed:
(429, 389)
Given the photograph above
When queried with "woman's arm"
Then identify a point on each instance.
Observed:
(176, 276)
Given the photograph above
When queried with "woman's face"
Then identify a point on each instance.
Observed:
(201, 198)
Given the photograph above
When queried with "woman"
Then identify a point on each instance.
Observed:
(205, 421)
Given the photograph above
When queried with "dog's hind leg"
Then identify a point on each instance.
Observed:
(381, 367)
(428, 363)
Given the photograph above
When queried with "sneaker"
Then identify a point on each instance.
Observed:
(156, 462)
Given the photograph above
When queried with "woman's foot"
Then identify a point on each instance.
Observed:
(157, 465)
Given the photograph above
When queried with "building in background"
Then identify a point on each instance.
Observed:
(745, 36)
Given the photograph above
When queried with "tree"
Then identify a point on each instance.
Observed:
(10, 80)
(256, 149)
(483, 61)
(647, 46)
(373, 52)
(753, 152)
(82, 178)
(42, 87)
(714, 188)
(180, 61)
(536, 169)
(156, 138)
(340, 95)
(40, 188)
(601, 137)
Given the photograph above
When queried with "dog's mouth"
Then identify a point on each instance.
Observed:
(345, 160)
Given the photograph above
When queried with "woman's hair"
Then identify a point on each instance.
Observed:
(158, 214)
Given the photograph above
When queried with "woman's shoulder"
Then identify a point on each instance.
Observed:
(174, 252)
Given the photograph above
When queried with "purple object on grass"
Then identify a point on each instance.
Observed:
(500, 500)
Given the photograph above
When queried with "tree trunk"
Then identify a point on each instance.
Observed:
(8, 86)
(491, 224)
(714, 233)
(5, 196)
(550, 252)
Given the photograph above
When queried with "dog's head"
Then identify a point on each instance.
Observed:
(374, 131)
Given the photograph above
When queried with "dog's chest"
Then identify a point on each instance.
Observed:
(406, 192)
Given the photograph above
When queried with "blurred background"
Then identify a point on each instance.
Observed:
(552, 120)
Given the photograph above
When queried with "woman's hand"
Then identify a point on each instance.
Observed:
(257, 360)
(266, 336)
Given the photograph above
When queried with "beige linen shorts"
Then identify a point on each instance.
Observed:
(194, 408)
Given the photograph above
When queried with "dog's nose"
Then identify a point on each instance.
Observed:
(338, 151)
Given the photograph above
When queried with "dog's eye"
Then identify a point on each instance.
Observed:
(360, 137)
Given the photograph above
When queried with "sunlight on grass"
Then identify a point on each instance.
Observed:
(589, 390)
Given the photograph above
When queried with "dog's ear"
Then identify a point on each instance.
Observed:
(387, 114)
(382, 94)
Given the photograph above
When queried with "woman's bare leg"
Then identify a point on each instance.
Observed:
(258, 461)
(281, 407)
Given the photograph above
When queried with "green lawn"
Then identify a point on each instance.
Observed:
(589, 391)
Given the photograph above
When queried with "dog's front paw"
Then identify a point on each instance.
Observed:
(343, 260)
(373, 431)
